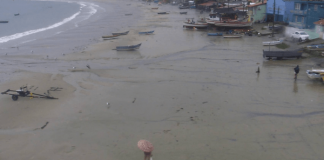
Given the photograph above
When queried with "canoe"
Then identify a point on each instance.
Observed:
(114, 36)
(282, 54)
(214, 34)
(4, 21)
(271, 43)
(120, 33)
(148, 32)
(183, 12)
(128, 48)
(238, 36)
(162, 13)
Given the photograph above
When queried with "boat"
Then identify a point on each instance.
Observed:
(17, 14)
(183, 12)
(162, 13)
(232, 23)
(148, 32)
(184, 7)
(195, 25)
(232, 36)
(120, 33)
(155, 8)
(4, 21)
(282, 54)
(316, 47)
(315, 73)
(214, 34)
(110, 37)
(128, 48)
(271, 43)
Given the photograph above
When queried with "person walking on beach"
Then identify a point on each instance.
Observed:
(147, 147)
(296, 71)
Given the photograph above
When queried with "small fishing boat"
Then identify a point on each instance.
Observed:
(232, 36)
(120, 33)
(17, 14)
(155, 8)
(163, 13)
(110, 37)
(315, 73)
(271, 43)
(128, 48)
(4, 21)
(193, 24)
(316, 47)
(148, 32)
(214, 34)
(184, 7)
(183, 12)
(282, 54)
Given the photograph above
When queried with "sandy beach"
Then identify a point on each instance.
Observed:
(193, 96)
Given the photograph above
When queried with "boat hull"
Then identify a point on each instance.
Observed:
(195, 25)
(120, 33)
(128, 48)
(271, 43)
(149, 32)
(313, 75)
(282, 54)
(214, 34)
(232, 36)
(4, 21)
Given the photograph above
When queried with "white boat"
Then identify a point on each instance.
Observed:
(271, 43)
(315, 73)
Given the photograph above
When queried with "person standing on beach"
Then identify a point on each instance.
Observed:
(296, 71)
(147, 147)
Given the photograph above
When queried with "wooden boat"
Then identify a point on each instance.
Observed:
(17, 14)
(316, 47)
(232, 23)
(183, 12)
(4, 21)
(214, 34)
(282, 54)
(148, 32)
(315, 73)
(195, 25)
(162, 13)
(271, 43)
(110, 37)
(232, 36)
(128, 48)
(184, 7)
(120, 33)
(155, 8)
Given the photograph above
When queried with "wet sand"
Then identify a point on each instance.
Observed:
(193, 96)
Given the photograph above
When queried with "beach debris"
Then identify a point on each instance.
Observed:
(134, 100)
(166, 131)
(204, 102)
(63, 54)
(88, 66)
(258, 71)
(44, 125)
(47, 56)
(35, 88)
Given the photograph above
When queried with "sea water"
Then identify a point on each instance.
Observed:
(38, 19)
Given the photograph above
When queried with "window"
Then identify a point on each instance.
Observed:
(297, 6)
(315, 7)
(302, 20)
(295, 18)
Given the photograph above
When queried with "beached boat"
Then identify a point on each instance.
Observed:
(315, 73)
(271, 43)
(232, 36)
(148, 32)
(120, 33)
(214, 34)
(183, 12)
(4, 21)
(195, 25)
(184, 7)
(232, 23)
(282, 54)
(17, 14)
(316, 47)
(110, 37)
(163, 13)
(128, 48)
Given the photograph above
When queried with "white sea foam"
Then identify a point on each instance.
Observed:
(83, 5)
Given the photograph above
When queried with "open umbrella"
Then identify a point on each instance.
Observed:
(145, 145)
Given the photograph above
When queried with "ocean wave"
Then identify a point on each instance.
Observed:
(83, 5)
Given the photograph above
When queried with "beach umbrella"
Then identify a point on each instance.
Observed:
(145, 145)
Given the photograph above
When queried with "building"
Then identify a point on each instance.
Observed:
(276, 13)
(319, 28)
(302, 14)
(256, 12)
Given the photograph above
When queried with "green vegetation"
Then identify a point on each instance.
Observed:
(282, 46)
